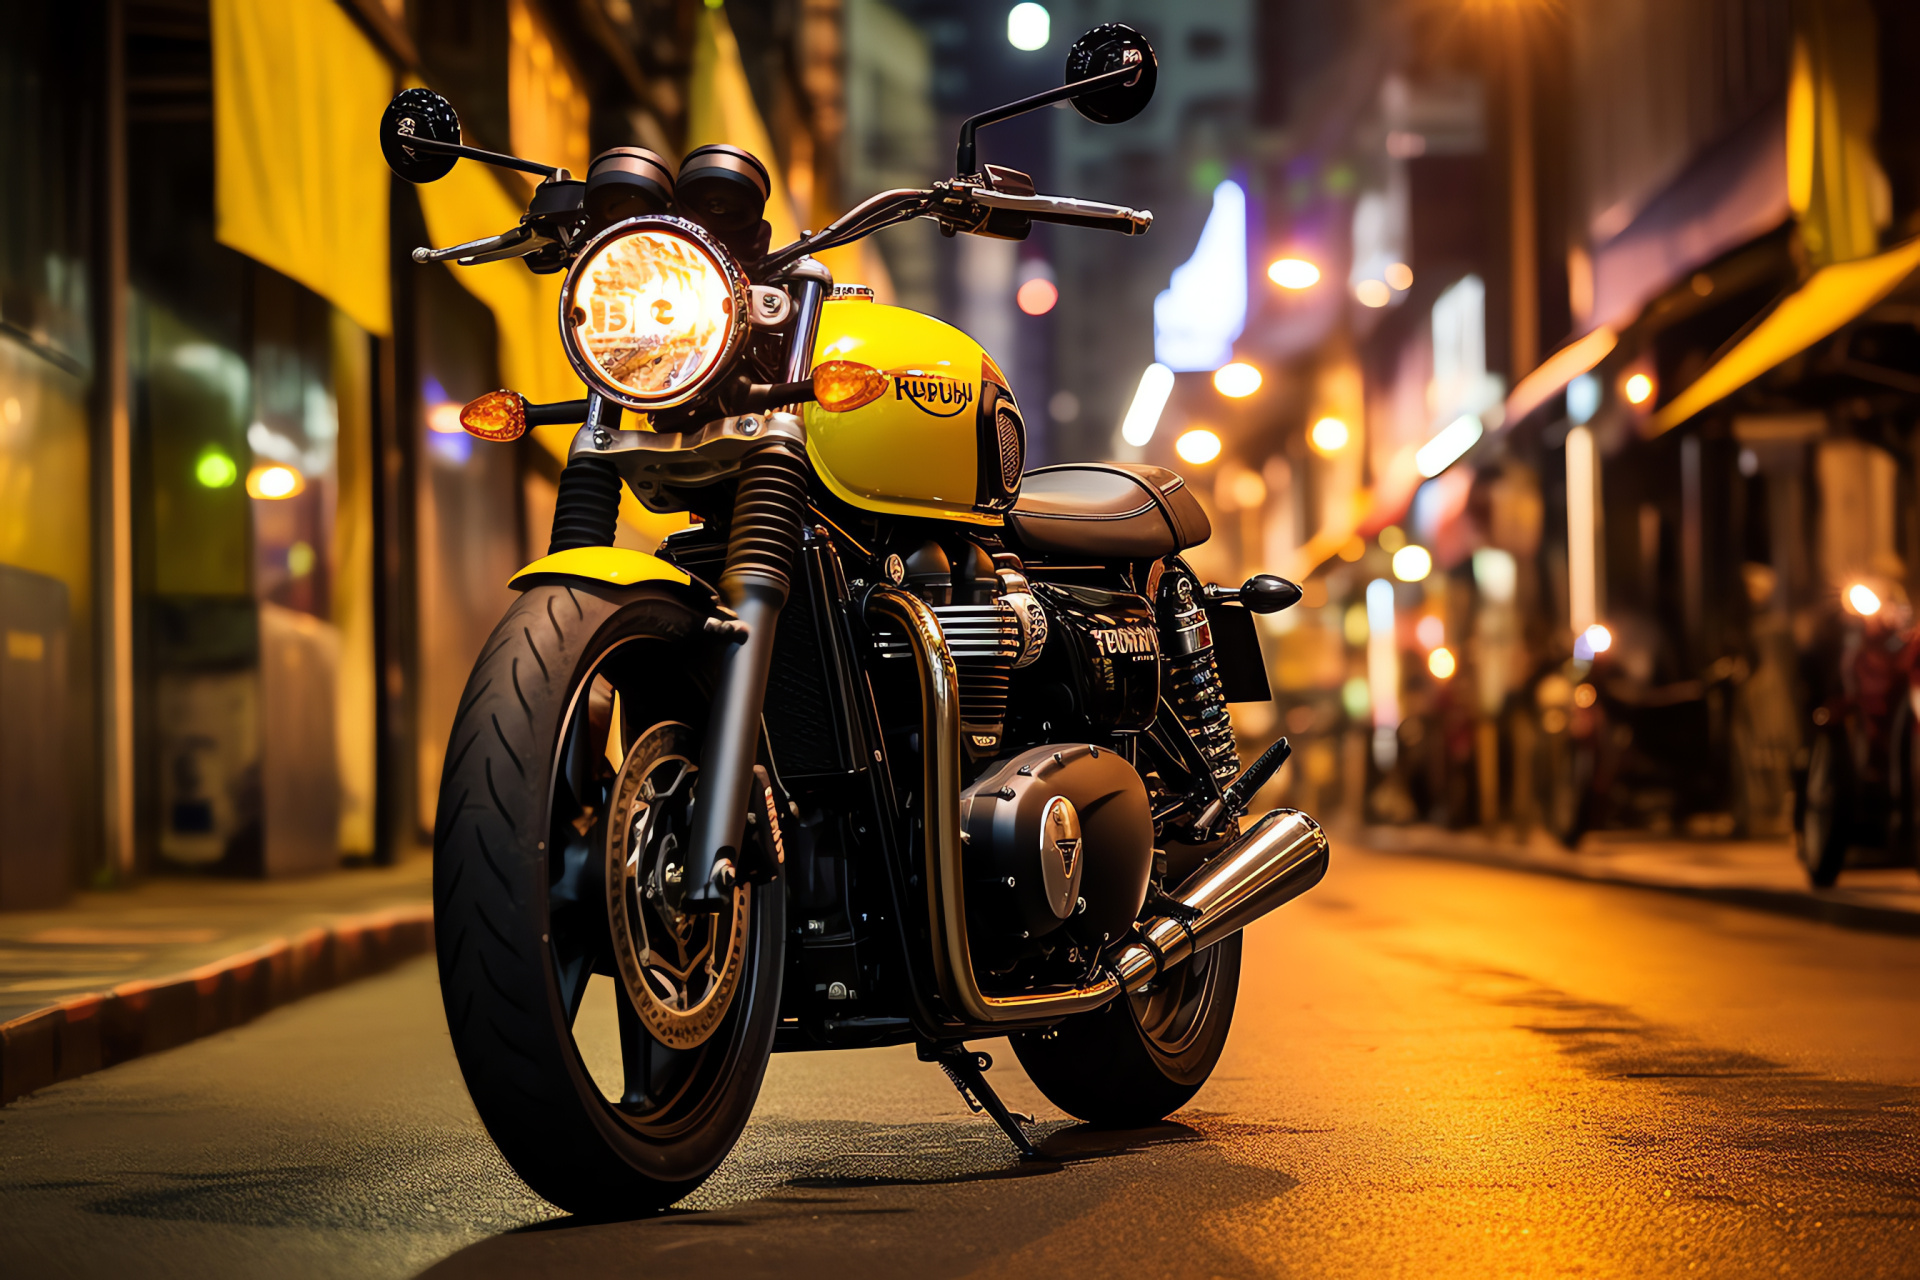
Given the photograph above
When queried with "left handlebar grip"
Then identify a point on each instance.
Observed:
(1067, 211)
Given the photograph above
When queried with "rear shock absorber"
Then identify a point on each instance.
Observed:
(1192, 679)
(768, 510)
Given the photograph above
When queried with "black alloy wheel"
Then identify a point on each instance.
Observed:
(613, 1044)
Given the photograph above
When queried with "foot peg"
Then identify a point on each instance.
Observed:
(967, 1070)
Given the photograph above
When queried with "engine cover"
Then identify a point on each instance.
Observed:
(1046, 830)
(1100, 671)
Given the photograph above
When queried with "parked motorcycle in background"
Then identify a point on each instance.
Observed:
(897, 744)
(1858, 787)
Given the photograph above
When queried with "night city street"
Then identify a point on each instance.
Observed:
(1437, 1070)
(959, 638)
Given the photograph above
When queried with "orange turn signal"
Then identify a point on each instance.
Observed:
(498, 416)
(844, 385)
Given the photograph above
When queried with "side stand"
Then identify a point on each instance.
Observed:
(967, 1070)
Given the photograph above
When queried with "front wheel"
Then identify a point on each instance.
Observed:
(613, 1044)
(1140, 1058)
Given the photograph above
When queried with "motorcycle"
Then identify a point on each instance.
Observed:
(896, 743)
(1857, 787)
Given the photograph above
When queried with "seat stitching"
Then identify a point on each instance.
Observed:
(1074, 515)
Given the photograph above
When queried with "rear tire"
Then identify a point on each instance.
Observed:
(1139, 1059)
(1823, 837)
(522, 916)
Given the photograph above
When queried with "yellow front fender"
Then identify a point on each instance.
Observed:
(617, 566)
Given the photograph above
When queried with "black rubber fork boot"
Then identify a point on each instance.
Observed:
(768, 512)
(587, 510)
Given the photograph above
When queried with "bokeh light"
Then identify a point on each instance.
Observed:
(1329, 435)
(1863, 598)
(1198, 446)
(274, 481)
(1029, 27)
(1237, 380)
(1037, 296)
(1441, 663)
(1638, 389)
(1293, 273)
(1411, 563)
(215, 470)
(1373, 293)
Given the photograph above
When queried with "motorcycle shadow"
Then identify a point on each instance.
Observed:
(803, 1198)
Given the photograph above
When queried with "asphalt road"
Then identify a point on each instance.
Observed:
(1437, 1070)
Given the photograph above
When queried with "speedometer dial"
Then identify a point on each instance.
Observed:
(652, 312)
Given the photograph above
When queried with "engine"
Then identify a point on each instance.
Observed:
(992, 626)
(1059, 845)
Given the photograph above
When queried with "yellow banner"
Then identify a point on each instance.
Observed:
(299, 183)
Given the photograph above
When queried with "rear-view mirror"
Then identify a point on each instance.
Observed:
(1110, 47)
(418, 113)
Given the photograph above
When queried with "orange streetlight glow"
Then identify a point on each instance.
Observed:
(1864, 600)
(1198, 446)
(1638, 389)
(1329, 435)
(274, 482)
(1294, 273)
(1237, 380)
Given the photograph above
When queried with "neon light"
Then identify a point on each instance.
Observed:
(1446, 447)
(1149, 399)
(1204, 308)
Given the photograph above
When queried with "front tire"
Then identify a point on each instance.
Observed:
(1140, 1058)
(572, 680)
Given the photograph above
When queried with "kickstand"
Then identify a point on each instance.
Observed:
(967, 1070)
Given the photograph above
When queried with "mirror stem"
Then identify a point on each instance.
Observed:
(436, 148)
(964, 159)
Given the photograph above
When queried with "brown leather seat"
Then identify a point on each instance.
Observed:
(1107, 511)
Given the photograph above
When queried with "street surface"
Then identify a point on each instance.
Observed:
(1437, 1070)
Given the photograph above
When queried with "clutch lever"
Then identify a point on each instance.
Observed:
(517, 243)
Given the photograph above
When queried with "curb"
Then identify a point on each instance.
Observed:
(89, 1032)
(1842, 913)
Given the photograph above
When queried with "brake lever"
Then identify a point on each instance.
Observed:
(517, 243)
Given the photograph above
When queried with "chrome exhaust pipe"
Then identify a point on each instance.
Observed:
(1281, 857)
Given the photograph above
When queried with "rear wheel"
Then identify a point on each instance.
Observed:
(1823, 826)
(613, 1044)
(1140, 1058)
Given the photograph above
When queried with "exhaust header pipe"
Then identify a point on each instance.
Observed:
(1280, 858)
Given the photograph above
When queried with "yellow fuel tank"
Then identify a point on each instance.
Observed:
(945, 438)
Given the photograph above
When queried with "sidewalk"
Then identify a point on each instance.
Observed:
(1762, 874)
(114, 975)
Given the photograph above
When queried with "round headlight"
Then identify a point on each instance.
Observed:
(652, 311)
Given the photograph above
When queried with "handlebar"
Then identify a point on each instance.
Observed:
(956, 206)
(1070, 212)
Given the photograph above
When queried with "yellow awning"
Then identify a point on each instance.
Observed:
(299, 183)
(1831, 298)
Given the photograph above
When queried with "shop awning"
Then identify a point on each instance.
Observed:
(1833, 297)
(298, 180)
(1557, 370)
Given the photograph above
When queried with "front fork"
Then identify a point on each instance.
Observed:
(769, 512)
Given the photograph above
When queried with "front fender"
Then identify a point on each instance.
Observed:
(614, 566)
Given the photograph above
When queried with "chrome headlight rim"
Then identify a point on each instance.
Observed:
(736, 330)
